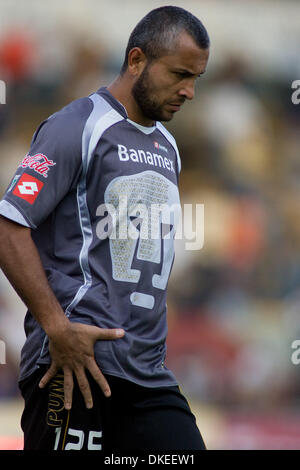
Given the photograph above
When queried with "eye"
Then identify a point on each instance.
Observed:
(182, 75)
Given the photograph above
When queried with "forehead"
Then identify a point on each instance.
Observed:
(187, 55)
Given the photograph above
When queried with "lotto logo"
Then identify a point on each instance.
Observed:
(28, 188)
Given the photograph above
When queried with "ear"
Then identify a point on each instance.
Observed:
(136, 61)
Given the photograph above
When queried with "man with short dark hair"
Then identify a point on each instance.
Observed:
(75, 244)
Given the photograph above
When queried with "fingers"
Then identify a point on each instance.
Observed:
(106, 333)
(84, 385)
(68, 387)
(68, 383)
(82, 381)
(84, 388)
(99, 377)
(51, 372)
(76, 354)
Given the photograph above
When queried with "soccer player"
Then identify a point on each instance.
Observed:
(75, 244)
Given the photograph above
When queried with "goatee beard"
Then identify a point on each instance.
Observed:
(140, 92)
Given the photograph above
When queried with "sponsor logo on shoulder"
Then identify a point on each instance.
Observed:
(28, 188)
(38, 162)
(160, 147)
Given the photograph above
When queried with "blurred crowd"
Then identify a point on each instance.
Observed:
(233, 305)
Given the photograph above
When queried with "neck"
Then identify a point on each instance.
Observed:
(121, 88)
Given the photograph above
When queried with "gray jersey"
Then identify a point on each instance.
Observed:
(94, 189)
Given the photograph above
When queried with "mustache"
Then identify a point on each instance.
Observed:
(177, 102)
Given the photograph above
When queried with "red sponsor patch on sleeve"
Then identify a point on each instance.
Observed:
(28, 188)
(38, 162)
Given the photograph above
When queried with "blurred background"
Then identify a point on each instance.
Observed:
(233, 305)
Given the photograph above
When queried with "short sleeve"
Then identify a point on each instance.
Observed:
(49, 170)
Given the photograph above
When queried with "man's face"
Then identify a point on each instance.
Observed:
(168, 81)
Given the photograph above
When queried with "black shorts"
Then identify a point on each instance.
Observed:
(132, 418)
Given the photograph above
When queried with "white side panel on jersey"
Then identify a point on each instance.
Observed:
(172, 141)
(101, 118)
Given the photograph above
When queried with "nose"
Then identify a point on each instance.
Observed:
(188, 90)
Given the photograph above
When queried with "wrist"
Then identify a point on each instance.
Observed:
(58, 325)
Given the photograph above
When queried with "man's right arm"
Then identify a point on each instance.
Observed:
(71, 345)
(21, 264)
